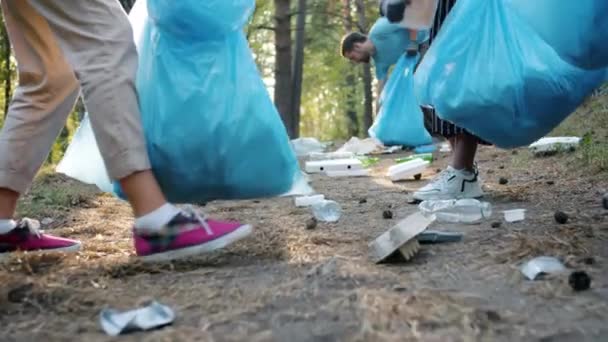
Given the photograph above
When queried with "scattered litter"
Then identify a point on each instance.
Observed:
(311, 223)
(541, 266)
(369, 161)
(515, 215)
(550, 182)
(363, 201)
(435, 236)
(306, 201)
(358, 146)
(503, 181)
(47, 221)
(554, 144)
(153, 316)
(425, 149)
(304, 146)
(605, 201)
(457, 211)
(319, 166)
(579, 281)
(424, 156)
(387, 215)
(327, 211)
(496, 224)
(348, 173)
(561, 217)
(407, 169)
(330, 155)
(400, 238)
(391, 149)
(445, 147)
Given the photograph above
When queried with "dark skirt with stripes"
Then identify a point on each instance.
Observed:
(435, 125)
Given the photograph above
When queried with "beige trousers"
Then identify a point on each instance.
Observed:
(63, 47)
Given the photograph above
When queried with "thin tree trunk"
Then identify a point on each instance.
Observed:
(7, 69)
(368, 114)
(351, 103)
(298, 66)
(283, 61)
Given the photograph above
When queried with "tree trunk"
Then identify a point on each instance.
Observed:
(368, 114)
(351, 90)
(298, 66)
(283, 60)
(7, 69)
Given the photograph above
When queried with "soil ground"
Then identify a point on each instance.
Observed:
(287, 283)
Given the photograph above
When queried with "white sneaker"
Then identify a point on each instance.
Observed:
(451, 184)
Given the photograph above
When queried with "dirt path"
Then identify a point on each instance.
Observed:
(287, 283)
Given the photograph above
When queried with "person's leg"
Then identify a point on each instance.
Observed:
(97, 40)
(45, 95)
(460, 179)
(463, 152)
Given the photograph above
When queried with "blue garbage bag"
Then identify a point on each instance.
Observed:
(400, 120)
(198, 19)
(488, 71)
(577, 30)
(211, 129)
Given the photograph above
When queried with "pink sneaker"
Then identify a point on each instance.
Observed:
(28, 237)
(187, 234)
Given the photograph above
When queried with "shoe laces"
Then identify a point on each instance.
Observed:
(199, 216)
(33, 226)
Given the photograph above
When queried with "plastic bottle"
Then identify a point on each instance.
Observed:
(327, 211)
(457, 211)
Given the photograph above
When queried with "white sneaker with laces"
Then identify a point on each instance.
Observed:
(451, 184)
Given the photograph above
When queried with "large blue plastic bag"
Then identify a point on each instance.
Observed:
(199, 19)
(577, 30)
(211, 129)
(400, 120)
(490, 72)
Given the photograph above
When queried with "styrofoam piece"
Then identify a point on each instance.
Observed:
(306, 201)
(396, 237)
(330, 155)
(550, 144)
(407, 169)
(515, 215)
(348, 173)
(542, 265)
(318, 166)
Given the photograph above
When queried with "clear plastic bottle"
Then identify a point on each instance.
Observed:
(327, 211)
(457, 211)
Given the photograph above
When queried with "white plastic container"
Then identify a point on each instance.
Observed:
(515, 215)
(552, 144)
(319, 166)
(407, 169)
(306, 201)
(348, 173)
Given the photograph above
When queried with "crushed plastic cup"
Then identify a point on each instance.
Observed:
(542, 265)
(327, 211)
(515, 215)
(306, 201)
(457, 211)
(153, 316)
